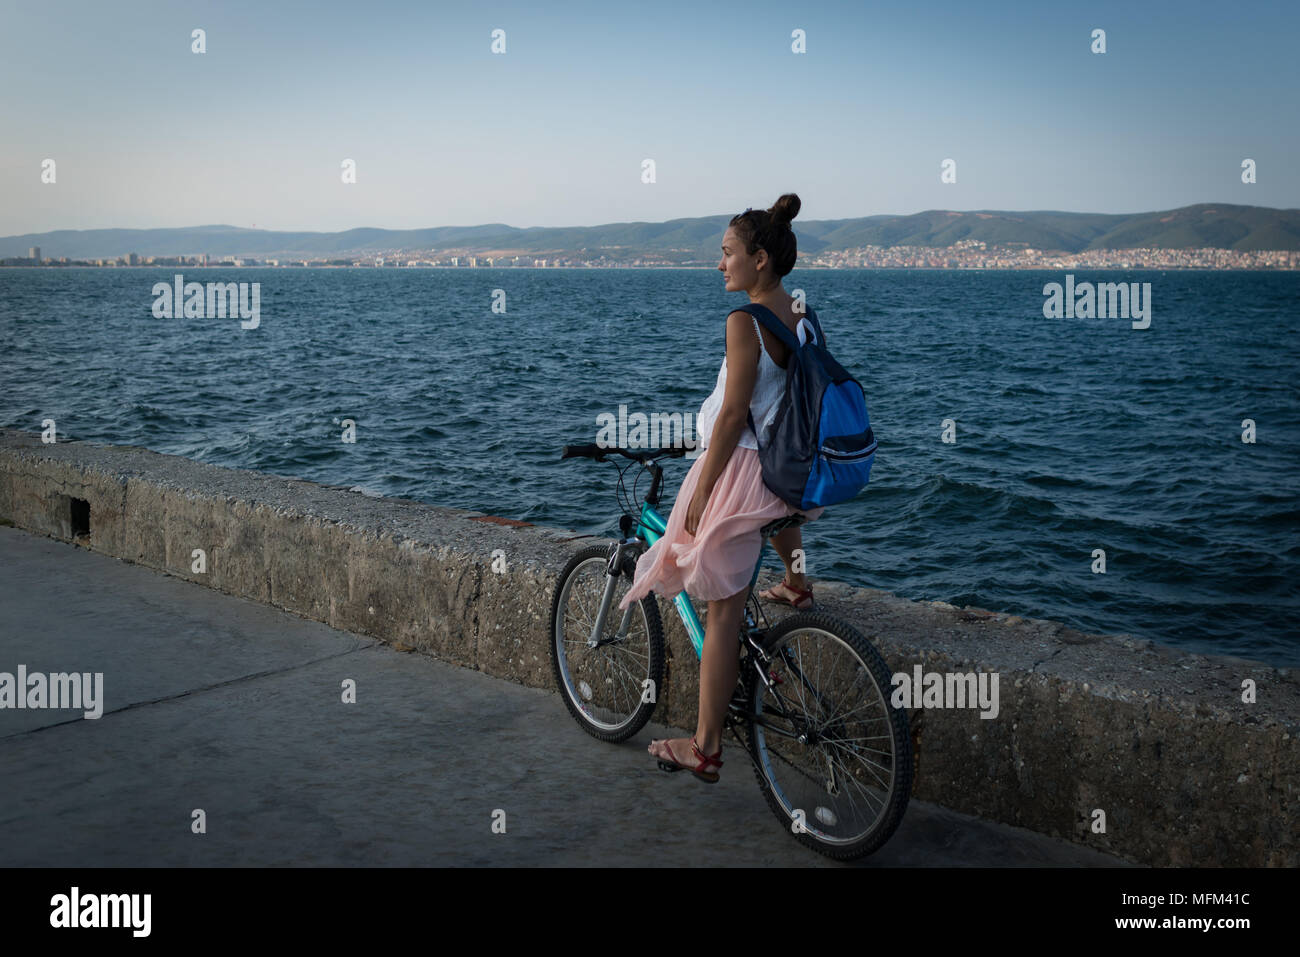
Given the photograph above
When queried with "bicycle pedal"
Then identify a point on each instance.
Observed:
(670, 768)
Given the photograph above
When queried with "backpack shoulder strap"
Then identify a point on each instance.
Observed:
(768, 318)
(812, 317)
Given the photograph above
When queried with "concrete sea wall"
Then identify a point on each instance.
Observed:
(1184, 771)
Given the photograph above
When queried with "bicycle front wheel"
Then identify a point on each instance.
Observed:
(833, 757)
(611, 689)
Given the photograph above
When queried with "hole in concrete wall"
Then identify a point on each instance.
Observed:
(80, 518)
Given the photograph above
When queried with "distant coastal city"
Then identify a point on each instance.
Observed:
(964, 254)
(1191, 237)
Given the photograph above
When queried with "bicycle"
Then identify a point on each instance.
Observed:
(832, 756)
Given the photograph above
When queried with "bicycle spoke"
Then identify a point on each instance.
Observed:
(617, 664)
(852, 780)
(623, 647)
(870, 737)
(849, 774)
(803, 704)
(610, 665)
(865, 704)
(802, 682)
(839, 743)
(864, 761)
(576, 596)
(849, 694)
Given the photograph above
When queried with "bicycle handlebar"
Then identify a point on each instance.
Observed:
(598, 452)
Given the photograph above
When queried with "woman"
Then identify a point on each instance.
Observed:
(712, 540)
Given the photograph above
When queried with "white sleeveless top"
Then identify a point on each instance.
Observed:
(769, 390)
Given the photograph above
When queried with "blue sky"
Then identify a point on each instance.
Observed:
(146, 133)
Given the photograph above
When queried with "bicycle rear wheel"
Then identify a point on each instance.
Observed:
(829, 750)
(605, 688)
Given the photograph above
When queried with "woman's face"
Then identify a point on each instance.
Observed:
(739, 270)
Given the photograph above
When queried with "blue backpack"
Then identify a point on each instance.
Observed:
(819, 448)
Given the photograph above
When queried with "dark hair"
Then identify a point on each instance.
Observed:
(770, 229)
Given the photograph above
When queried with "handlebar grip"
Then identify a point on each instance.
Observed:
(589, 451)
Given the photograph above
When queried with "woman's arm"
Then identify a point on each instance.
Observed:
(742, 373)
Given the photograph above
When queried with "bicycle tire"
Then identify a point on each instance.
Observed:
(580, 696)
(847, 766)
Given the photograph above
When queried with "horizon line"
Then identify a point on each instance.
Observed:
(632, 222)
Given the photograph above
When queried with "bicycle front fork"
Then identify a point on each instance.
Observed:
(621, 560)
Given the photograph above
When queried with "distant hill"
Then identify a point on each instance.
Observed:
(1218, 225)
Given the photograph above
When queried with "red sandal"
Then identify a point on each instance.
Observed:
(801, 595)
(701, 770)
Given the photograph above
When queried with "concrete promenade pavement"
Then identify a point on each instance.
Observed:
(217, 702)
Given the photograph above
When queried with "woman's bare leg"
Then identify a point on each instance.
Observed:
(787, 542)
(719, 668)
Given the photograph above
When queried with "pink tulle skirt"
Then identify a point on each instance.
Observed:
(719, 559)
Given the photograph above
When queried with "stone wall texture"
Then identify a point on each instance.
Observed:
(1186, 772)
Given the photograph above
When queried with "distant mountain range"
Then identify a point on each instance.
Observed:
(1216, 225)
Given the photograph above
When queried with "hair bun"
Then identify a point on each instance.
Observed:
(784, 209)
